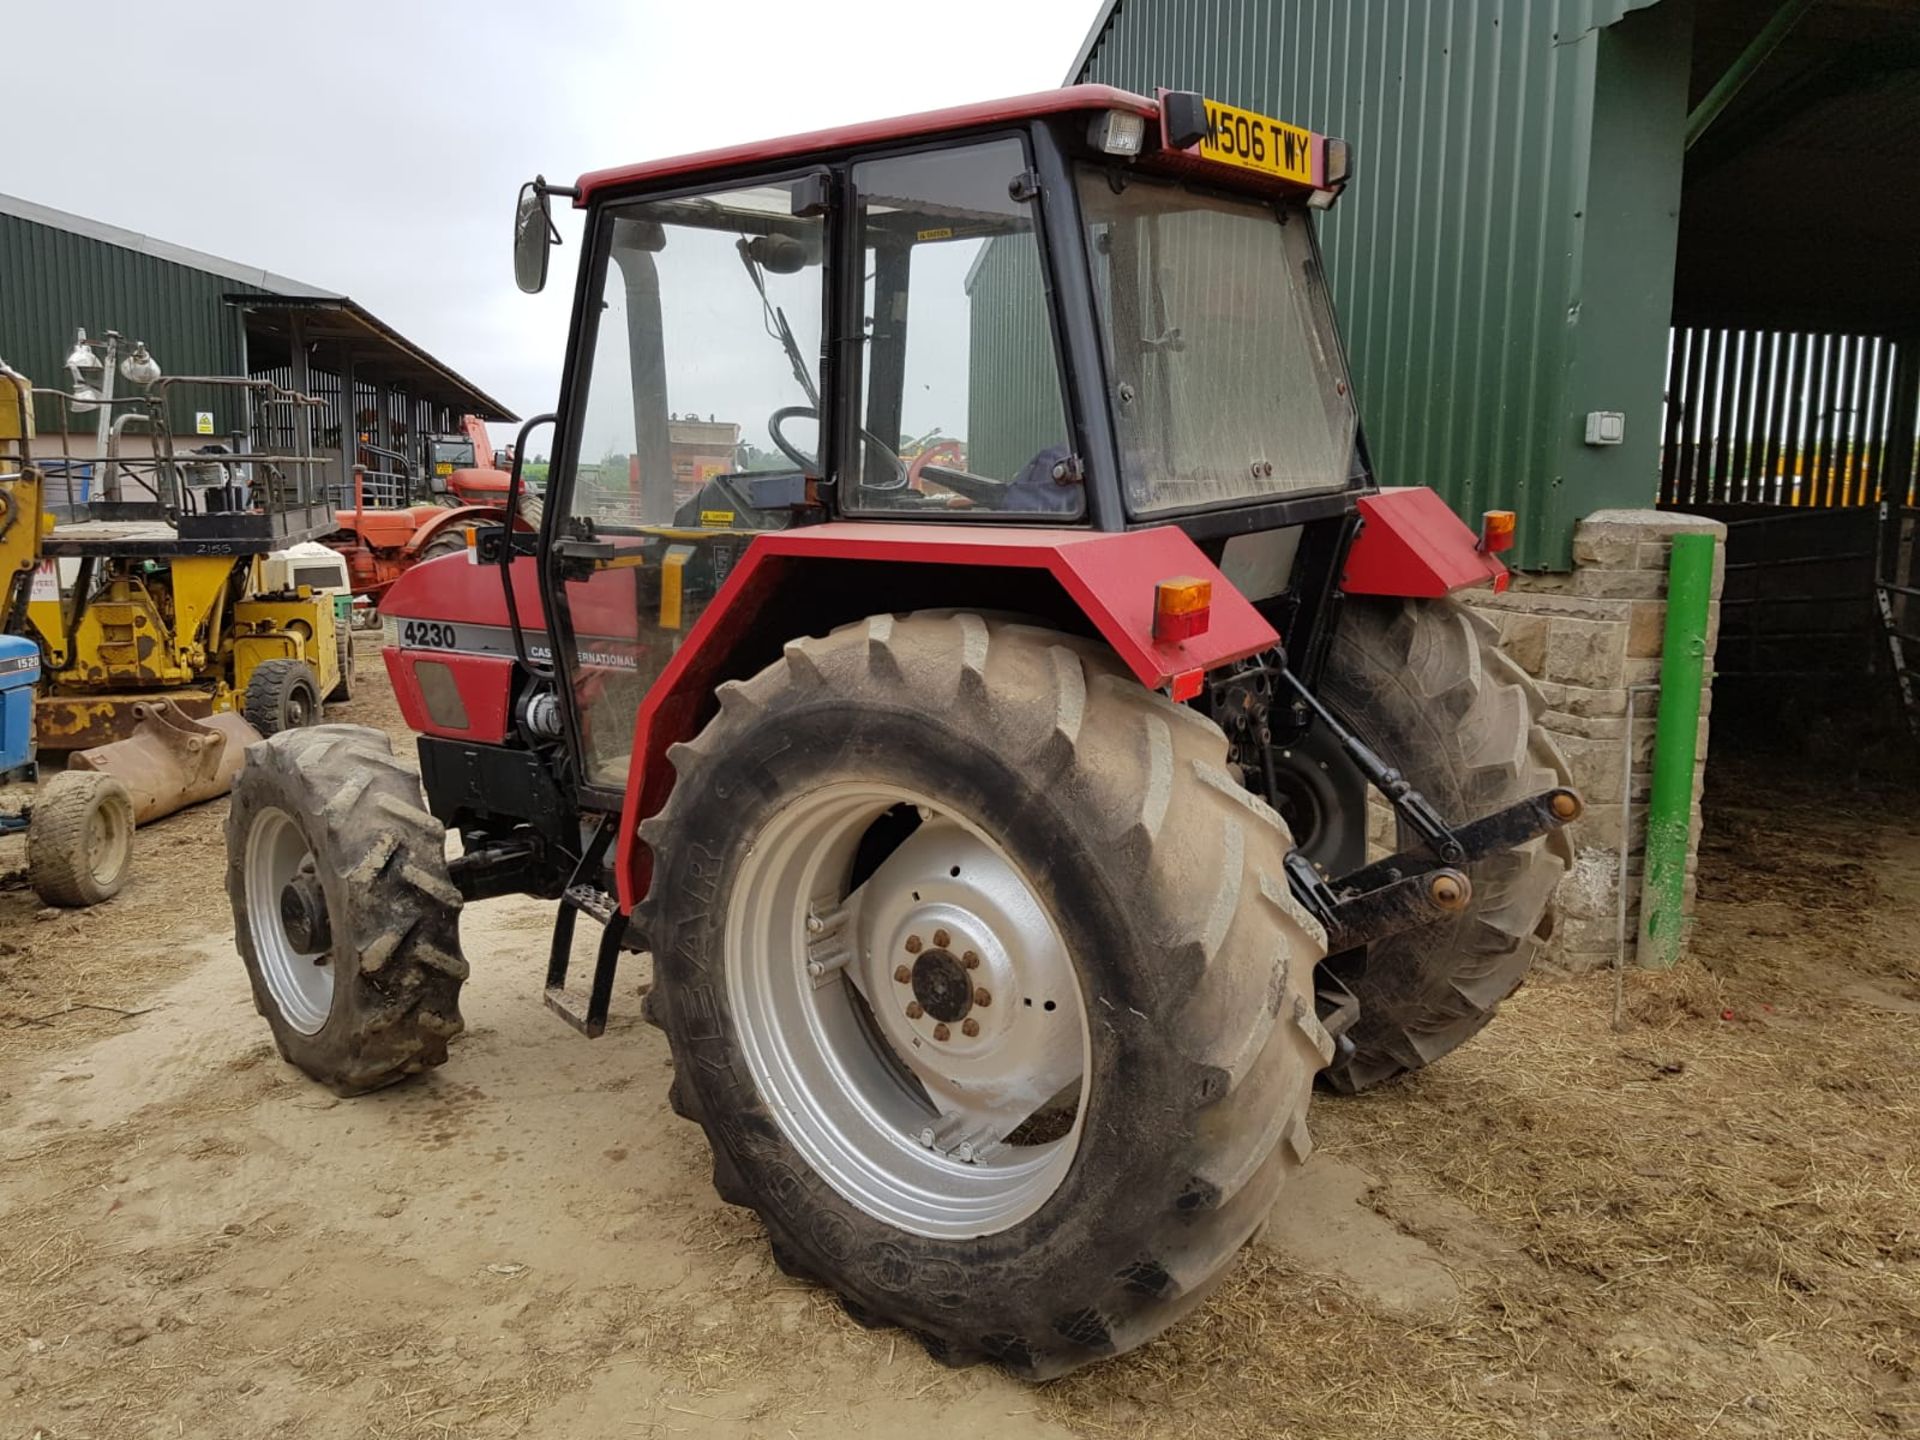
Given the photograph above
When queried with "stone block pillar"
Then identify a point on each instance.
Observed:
(1591, 639)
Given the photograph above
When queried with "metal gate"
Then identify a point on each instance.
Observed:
(1788, 418)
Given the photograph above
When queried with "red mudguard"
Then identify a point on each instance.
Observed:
(1412, 544)
(1110, 576)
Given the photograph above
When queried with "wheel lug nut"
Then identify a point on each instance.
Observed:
(914, 1012)
(982, 997)
(969, 1028)
(942, 939)
(940, 1032)
(901, 975)
(970, 960)
(913, 944)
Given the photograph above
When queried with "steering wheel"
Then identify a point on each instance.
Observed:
(811, 463)
(980, 489)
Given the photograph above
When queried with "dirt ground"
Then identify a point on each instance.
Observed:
(1706, 1225)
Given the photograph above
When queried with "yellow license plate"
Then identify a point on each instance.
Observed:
(1257, 142)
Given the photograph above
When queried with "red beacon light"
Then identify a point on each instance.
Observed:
(1496, 532)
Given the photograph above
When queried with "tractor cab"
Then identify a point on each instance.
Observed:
(1111, 308)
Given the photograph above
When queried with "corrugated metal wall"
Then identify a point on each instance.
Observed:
(1464, 253)
(52, 281)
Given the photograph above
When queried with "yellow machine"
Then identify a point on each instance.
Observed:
(22, 521)
(165, 588)
(79, 826)
(155, 614)
(151, 618)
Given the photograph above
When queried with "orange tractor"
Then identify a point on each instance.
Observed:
(399, 517)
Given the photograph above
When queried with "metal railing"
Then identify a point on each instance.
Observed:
(171, 482)
(373, 490)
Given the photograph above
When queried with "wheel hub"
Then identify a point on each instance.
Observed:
(303, 912)
(970, 983)
(942, 985)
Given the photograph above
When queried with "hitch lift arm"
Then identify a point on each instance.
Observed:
(1416, 886)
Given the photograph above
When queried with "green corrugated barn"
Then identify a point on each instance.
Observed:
(1574, 208)
(202, 315)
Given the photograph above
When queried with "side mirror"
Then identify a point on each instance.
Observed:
(533, 237)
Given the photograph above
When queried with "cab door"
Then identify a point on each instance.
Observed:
(691, 425)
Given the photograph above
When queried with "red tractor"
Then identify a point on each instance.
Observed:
(998, 841)
(397, 518)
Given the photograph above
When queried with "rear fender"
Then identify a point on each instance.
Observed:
(445, 519)
(806, 581)
(1412, 544)
(384, 530)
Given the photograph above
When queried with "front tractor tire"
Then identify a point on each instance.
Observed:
(281, 695)
(981, 973)
(1424, 683)
(342, 908)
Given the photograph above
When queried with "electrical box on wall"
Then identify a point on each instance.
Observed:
(1606, 427)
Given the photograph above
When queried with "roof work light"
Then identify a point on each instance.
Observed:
(1338, 168)
(1117, 132)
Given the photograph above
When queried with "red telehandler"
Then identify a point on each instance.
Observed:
(996, 828)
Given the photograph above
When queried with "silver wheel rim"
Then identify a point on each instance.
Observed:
(929, 1128)
(301, 982)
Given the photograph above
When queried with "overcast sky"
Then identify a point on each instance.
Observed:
(374, 147)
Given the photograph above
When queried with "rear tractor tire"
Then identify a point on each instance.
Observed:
(282, 695)
(80, 839)
(1424, 683)
(450, 541)
(342, 908)
(981, 973)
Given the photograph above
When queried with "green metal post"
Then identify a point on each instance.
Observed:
(1675, 748)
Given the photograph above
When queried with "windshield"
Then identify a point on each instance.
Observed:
(448, 456)
(1227, 380)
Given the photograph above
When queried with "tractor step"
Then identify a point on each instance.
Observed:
(591, 1019)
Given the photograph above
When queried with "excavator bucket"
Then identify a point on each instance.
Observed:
(171, 760)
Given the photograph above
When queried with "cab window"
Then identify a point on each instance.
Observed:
(698, 428)
(961, 407)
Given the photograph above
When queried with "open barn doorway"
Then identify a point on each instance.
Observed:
(1794, 373)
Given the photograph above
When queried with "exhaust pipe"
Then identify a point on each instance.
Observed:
(171, 760)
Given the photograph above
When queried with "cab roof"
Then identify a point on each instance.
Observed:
(905, 127)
